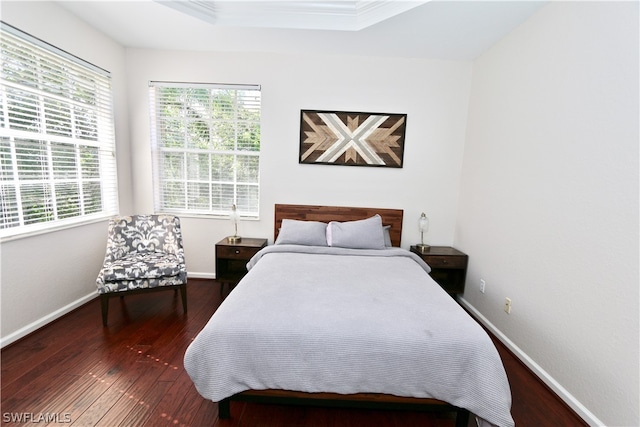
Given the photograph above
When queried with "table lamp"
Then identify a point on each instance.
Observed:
(235, 218)
(423, 224)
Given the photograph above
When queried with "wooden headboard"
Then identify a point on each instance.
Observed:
(392, 217)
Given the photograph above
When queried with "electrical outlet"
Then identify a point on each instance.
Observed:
(507, 305)
(482, 285)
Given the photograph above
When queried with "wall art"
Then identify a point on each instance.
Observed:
(352, 139)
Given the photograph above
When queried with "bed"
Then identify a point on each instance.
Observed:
(342, 316)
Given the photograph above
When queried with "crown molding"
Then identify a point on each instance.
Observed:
(341, 15)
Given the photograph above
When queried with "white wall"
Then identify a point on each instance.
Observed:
(549, 186)
(46, 275)
(434, 95)
(549, 199)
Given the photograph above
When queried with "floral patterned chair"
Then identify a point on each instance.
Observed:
(144, 253)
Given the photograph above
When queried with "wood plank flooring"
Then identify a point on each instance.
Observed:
(75, 372)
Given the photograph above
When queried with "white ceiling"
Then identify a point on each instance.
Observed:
(345, 15)
(459, 30)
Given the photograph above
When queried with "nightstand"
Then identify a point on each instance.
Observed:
(232, 259)
(448, 267)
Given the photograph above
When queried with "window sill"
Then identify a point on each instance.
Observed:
(52, 228)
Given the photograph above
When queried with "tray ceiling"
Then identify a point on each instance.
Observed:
(345, 15)
(454, 30)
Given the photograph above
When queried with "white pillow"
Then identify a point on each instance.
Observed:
(308, 233)
(362, 234)
(387, 236)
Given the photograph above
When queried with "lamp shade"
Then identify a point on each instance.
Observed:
(423, 223)
(234, 217)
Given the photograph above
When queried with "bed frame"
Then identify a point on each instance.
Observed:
(393, 218)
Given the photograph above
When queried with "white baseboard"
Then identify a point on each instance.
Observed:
(567, 397)
(197, 275)
(23, 332)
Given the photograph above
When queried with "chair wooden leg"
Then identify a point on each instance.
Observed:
(183, 293)
(104, 302)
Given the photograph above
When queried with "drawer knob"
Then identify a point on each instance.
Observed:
(237, 251)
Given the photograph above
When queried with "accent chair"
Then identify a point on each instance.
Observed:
(144, 254)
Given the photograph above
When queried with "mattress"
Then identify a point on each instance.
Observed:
(323, 319)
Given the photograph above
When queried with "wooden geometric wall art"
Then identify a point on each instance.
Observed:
(352, 139)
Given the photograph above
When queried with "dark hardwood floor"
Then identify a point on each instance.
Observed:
(75, 372)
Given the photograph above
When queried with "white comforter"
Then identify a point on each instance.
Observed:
(347, 321)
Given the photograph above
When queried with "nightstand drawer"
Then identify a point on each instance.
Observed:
(232, 258)
(237, 252)
(446, 261)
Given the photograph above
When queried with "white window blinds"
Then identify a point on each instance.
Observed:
(206, 148)
(57, 149)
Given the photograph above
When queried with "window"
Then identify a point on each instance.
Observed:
(57, 150)
(206, 148)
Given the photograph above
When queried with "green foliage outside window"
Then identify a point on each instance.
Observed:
(56, 136)
(206, 146)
